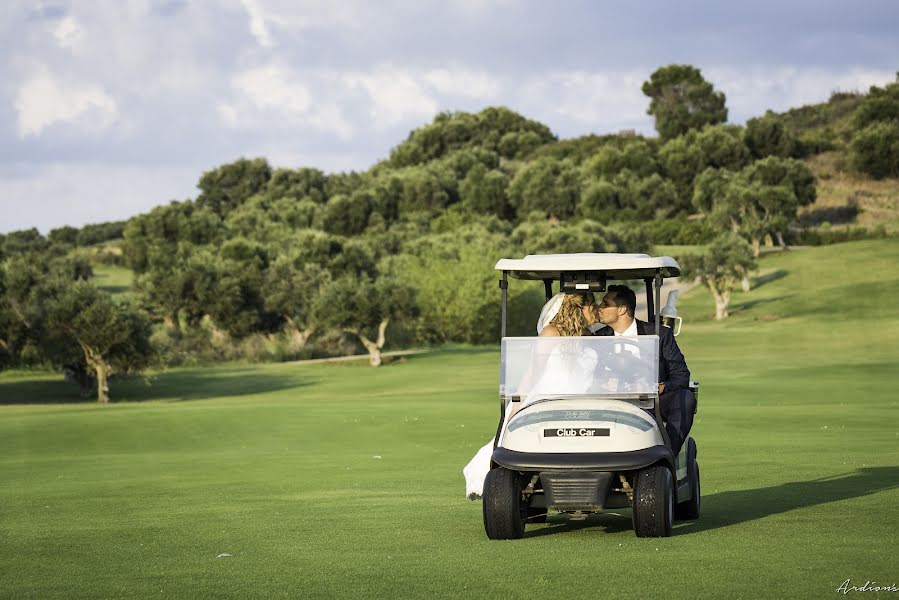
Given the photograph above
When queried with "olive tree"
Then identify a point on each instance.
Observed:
(111, 336)
(727, 260)
(681, 100)
(363, 307)
(290, 288)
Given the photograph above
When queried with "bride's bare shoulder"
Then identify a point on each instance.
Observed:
(550, 331)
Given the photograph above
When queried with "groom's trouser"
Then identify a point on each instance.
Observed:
(677, 408)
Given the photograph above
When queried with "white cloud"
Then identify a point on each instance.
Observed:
(274, 91)
(273, 87)
(477, 9)
(329, 117)
(460, 81)
(258, 25)
(396, 95)
(603, 102)
(752, 91)
(295, 16)
(42, 101)
(59, 194)
(68, 33)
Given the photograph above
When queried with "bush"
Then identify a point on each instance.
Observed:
(875, 149)
(827, 236)
(767, 136)
(100, 232)
(680, 232)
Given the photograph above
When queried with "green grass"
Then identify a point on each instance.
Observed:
(345, 481)
(115, 280)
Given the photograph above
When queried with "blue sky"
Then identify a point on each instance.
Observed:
(110, 107)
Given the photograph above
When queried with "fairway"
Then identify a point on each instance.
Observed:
(339, 480)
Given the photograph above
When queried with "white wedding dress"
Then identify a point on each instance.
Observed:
(569, 370)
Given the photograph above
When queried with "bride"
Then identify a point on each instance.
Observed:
(564, 370)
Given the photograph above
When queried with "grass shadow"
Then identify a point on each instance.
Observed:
(174, 386)
(761, 280)
(725, 509)
(610, 522)
(115, 289)
(750, 304)
(731, 508)
(835, 215)
(463, 351)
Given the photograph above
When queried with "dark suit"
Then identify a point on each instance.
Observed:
(677, 404)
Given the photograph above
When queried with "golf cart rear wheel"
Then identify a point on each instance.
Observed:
(689, 509)
(653, 502)
(504, 510)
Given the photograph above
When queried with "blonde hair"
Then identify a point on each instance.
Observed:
(570, 319)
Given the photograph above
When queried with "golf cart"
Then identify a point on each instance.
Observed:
(580, 429)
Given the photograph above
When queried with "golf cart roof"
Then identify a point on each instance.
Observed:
(615, 266)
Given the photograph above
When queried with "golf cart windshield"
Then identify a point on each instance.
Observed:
(540, 368)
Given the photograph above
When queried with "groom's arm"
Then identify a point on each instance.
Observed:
(678, 373)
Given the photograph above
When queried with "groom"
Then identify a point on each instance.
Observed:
(676, 402)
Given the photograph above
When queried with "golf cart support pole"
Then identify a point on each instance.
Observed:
(658, 320)
(504, 286)
(548, 288)
(650, 305)
(658, 287)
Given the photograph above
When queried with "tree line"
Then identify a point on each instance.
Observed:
(307, 262)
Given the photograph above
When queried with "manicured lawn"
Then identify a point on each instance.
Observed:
(345, 481)
(115, 280)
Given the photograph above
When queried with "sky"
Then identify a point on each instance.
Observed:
(111, 107)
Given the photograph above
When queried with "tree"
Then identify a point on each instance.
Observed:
(722, 147)
(363, 307)
(111, 336)
(225, 188)
(424, 189)
(347, 215)
(483, 191)
(546, 185)
(64, 235)
(151, 239)
(767, 136)
(726, 262)
(639, 157)
(551, 237)
(875, 144)
(682, 160)
(25, 240)
(600, 200)
(100, 232)
(709, 188)
(290, 289)
(495, 128)
(880, 105)
(875, 149)
(760, 200)
(681, 100)
(298, 184)
(784, 185)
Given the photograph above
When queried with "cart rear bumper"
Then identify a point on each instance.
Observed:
(583, 461)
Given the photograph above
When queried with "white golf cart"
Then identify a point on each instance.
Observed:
(580, 429)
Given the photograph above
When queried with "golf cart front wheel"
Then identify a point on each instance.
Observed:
(653, 502)
(504, 510)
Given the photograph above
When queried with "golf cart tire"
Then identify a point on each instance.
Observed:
(689, 509)
(653, 502)
(504, 510)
